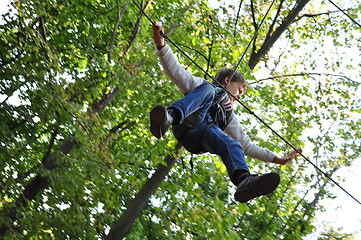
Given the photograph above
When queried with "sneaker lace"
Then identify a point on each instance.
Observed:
(251, 180)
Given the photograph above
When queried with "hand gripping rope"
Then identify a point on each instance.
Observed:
(243, 105)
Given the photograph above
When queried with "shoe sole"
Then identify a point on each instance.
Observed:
(157, 118)
(267, 184)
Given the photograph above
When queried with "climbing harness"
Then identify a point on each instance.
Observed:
(219, 114)
(224, 88)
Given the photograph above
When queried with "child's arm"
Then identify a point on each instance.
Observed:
(288, 158)
(184, 80)
(250, 149)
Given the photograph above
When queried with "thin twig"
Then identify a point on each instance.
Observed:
(319, 14)
(114, 32)
(235, 24)
(306, 74)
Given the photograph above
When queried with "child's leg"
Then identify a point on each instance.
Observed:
(231, 152)
(190, 110)
(194, 106)
(214, 140)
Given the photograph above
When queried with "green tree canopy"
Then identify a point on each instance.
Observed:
(78, 80)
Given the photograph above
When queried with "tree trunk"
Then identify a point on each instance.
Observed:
(268, 43)
(139, 202)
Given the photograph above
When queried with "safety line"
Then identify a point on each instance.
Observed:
(249, 44)
(249, 110)
(353, 20)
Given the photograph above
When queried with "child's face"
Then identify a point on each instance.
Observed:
(236, 89)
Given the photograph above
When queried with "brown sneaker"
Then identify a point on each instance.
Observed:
(254, 186)
(160, 121)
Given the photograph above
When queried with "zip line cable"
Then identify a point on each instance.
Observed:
(179, 49)
(249, 44)
(248, 109)
(353, 20)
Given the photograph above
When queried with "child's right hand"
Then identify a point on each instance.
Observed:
(288, 158)
(157, 36)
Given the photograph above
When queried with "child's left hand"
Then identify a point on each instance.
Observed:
(288, 158)
(157, 36)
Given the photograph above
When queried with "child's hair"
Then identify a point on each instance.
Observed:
(227, 72)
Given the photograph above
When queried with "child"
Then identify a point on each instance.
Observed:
(204, 121)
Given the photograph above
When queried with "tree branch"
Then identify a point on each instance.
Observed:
(281, 230)
(273, 38)
(306, 74)
(4, 61)
(278, 205)
(40, 182)
(274, 20)
(235, 24)
(210, 46)
(51, 144)
(195, 50)
(139, 202)
(3, 102)
(319, 194)
(136, 29)
(114, 32)
(253, 16)
(172, 27)
(255, 28)
(319, 14)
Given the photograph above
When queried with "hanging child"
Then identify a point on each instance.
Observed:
(204, 121)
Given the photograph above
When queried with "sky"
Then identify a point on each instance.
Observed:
(344, 211)
(340, 212)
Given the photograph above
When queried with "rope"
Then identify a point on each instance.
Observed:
(249, 110)
(178, 48)
(353, 20)
(249, 44)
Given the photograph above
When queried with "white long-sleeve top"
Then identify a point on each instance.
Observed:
(186, 82)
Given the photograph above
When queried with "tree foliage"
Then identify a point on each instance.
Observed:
(78, 79)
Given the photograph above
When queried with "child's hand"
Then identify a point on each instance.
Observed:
(157, 36)
(288, 158)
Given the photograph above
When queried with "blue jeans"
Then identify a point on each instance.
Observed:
(197, 133)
